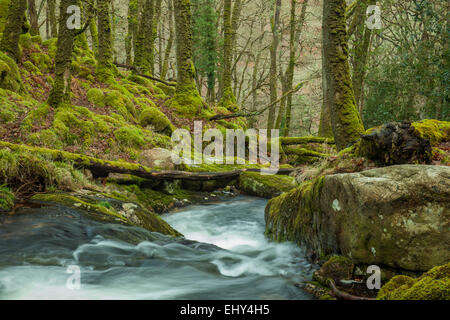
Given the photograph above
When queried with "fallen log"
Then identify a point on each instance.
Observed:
(120, 65)
(287, 141)
(102, 168)
(304, 152)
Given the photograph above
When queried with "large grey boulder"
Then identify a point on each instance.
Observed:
(396, 216)
(157, 158)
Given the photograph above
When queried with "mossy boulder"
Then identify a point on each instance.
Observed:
(10, 77)
(156, 120)
(432, 285)
(96, 97)
(396, 216)
(110, 209)
(265, 186)
(158, 158)
(336, 268)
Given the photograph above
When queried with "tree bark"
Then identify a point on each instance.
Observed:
(104, 70)
(228, 99)
(13, 28)
(165, 67)
(273, 65)
(60, 92)
(345, 119)
(143, 58)
(32, 13)
(52, 18)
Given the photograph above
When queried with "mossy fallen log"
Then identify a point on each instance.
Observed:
(288, 141)
(102, 168)
(304, 152)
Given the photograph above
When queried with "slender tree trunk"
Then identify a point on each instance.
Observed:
(52, 17)
(94, 34)
(132, 30)
(32, 13)
(13, 28)
(362, 42)
(143, 58)
(165, 67)
(187, 99)
(228, 99)
(325, 129)
(60, 92)
(105, 67)
(273, 65)
(345, 119)
(155, 22)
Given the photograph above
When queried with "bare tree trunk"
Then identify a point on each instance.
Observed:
(273, 65)
(52, 17)
(32, 13)
(165, 67)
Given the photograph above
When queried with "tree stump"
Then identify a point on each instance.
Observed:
(396, 143)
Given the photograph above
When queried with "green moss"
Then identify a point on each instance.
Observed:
(433, 130)
(6, 199)
(130, 137)
(156, 119)
(25, 41)
(187, 102)
(266, 186)
(29, 66)
(337, 268)
(96, 97)
(432, 285)
(122, 103)
(10, 78)
(42, 61)
(4, 5)
(295, 215)
(35, 116)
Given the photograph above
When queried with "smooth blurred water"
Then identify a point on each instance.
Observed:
(224, 256)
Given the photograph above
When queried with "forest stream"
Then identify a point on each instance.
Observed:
(224, 255)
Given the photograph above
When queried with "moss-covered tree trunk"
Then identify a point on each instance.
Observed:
(51, 4)
(187, 100)
(345, 119)
(143, 58)
(32, 13)
(273, 77)
(165, 65)
(94, 34)
(228, 99)
(60, 92)
(105, 66)
(130, 39)
(13, 28)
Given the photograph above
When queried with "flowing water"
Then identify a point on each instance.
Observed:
(224, 256)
